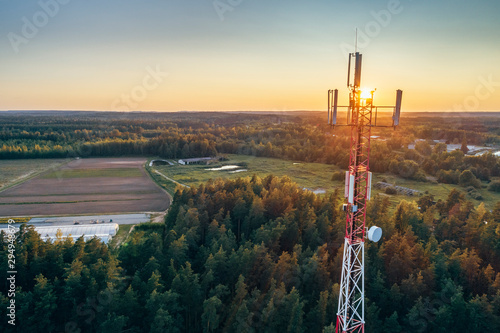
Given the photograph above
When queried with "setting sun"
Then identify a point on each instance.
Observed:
(366, 93)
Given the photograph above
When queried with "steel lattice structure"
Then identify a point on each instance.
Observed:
(351, 306)
(350, 315)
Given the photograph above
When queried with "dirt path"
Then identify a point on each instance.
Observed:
(158, 217)
(168, 178)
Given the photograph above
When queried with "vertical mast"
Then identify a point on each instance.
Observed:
(351, 306)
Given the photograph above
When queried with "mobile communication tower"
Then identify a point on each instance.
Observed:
(361, 117)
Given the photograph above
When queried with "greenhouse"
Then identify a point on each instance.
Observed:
(105, 231)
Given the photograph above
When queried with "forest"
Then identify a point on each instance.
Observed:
(263, 254)
(298, 136)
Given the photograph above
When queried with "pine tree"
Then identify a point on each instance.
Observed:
(243, 319)
(163, 322)
(391, 324)
(211, 317)
(113, 324)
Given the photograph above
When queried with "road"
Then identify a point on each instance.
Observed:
(69, 220)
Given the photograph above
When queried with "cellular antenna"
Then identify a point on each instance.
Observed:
(361, 117)
(356, 42)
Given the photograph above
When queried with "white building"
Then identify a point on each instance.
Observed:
(103, 231)
(200, 160)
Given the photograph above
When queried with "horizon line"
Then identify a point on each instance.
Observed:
(229, 111)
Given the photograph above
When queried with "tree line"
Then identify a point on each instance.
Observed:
(301, 137)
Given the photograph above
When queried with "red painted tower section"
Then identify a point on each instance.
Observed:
(360, 118)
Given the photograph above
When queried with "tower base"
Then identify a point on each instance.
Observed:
(351, 309)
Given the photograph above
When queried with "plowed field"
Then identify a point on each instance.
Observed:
(87, 186)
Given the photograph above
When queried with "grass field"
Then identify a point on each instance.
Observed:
(313, 176)
(4, 220)
(13, 172)
(440, 191)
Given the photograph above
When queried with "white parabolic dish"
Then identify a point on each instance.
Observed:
(374, 234)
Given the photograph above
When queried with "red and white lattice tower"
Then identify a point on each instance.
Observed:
(361, 117)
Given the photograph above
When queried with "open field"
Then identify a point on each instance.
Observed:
(16, 171)
(440, 191)
(100, 185)
(90, 173)
(85, 186)
(313, 176)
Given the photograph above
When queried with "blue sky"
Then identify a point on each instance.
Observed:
(245, 55)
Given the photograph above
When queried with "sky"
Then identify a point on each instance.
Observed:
(236, 55)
